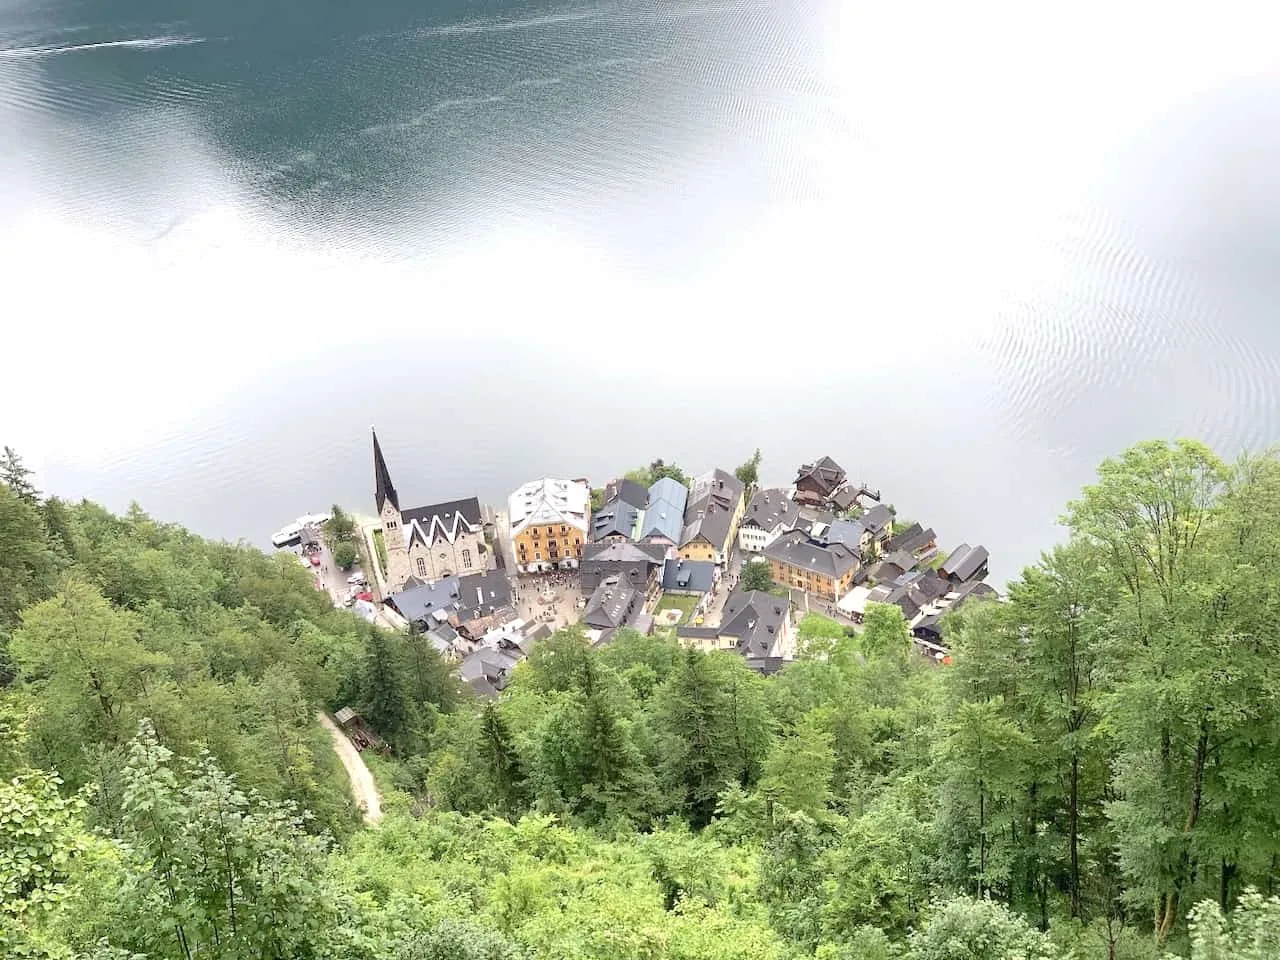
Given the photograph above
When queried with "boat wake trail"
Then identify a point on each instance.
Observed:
(144, 43)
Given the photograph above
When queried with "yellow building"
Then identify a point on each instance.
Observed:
(711, 518)
(549, 523)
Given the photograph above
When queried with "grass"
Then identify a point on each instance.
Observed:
(380, 544)
(684, 604)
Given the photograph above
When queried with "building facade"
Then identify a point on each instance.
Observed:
(711, 517)
(770, 514)
(550, 522)
(824, 569)
(427, 543)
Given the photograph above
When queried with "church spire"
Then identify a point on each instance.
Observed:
(383, 488)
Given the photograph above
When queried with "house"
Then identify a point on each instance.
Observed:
(550, 522)
(663, 519)
(892, 566)
(896, 595)
(453, 600)
(755, 624)
(914, 540)
(691, 577)
(443, 638)
(926, 587)
(845, 499)
(816, 566)
(615, 522)
(613, 604)
(852, 533)
(432, 542)
(488, 671)
(965, 563)
(927, 625)
(770, 514)
(711, 518)
(636, 564)
(626, 491)
(878, 521)
(815, 521)
(816, 482)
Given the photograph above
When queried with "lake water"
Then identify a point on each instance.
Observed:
(966, 249)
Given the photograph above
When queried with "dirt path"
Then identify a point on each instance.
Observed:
(362, 786)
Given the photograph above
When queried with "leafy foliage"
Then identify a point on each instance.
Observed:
(1092, 775)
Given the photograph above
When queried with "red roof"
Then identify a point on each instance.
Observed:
(366, 595)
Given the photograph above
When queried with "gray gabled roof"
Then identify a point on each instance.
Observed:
(481, 594)
(913, 539)
(826, 472)
(418, 603)
(712, 503)
(628, 492)
(616, 519)
(610, 605)
(796, 548)
(755, 619)
(877, 518)
(466, 597)
(664, 516)
(965, 562)
(848, 532)
(770, 509)
(697, 576)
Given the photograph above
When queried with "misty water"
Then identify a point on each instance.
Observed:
(967, 250)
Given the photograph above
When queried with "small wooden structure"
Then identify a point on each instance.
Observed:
(356, 729)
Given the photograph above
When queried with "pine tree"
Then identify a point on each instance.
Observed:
(499, 751)
(15, 475)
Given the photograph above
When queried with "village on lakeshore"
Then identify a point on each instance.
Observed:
(716, 562)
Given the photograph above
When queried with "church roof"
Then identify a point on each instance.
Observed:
(383, 488)
(438, 521)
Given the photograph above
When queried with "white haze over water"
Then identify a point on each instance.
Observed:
(926, 202)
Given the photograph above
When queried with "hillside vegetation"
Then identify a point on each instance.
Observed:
(1094, 776)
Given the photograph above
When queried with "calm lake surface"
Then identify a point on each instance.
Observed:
(968, 250)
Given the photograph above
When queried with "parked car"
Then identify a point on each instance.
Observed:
(357, 579)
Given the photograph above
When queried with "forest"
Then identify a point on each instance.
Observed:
(1095, 775)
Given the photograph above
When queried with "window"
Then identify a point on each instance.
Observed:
(422, 567)
(551, 544)
(466, 559)
(537, 556)
(563, 528)
(391, 524)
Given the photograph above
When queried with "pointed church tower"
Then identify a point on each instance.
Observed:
(388, 503)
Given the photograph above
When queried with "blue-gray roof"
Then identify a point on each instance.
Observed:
(848, 532)
(694, 576)
(664, 517)
(417, 603)
(614, 519)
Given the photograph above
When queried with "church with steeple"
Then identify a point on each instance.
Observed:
(425, 544)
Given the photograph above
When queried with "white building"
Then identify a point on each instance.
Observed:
(770, 514)
(550, 521)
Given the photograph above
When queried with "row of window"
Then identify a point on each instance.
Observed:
(466, 562)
